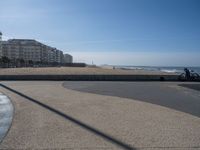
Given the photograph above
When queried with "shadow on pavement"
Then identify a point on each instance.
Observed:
(191, 86)
(150, 92)
(74, 120)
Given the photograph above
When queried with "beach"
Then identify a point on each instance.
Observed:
(77, 71)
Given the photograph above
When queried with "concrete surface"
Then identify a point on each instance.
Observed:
(49, 116)
(6, 115)
(191, 86)
(92, 77)
(167, 94)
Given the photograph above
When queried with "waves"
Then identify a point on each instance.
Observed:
(177, 70)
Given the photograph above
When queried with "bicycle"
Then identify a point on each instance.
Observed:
(193, 76)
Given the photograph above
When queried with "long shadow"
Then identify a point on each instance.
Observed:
(149, 92)
(191, 86)
(73, 120)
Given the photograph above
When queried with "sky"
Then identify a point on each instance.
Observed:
(115, 32)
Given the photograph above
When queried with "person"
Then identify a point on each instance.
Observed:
(187, 73)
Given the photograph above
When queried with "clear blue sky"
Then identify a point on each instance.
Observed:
(124, 32)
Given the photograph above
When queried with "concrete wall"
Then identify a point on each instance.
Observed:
(92, 77)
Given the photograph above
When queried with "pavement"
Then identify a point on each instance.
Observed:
(50, 116)
(167, 94)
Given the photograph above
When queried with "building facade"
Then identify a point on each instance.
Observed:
(68, 58)
(30, 50)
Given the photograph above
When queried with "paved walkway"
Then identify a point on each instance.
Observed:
(47, 115)
(181, 96)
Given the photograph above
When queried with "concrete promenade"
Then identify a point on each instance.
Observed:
(50, 116)
(167, 94)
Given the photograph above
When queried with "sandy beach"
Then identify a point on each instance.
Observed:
(76, 71)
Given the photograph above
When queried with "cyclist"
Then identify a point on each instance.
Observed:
(187, 73)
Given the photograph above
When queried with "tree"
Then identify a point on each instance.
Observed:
(1, 62)
(30, 63)
(18, 62)
(22, 62)
(5, 61)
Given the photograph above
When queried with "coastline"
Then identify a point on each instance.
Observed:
(88, 74)
(78, 71)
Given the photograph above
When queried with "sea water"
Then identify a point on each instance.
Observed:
(170, 69)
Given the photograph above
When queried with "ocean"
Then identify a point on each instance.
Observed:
(172, 69)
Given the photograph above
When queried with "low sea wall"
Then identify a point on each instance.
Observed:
(92, 77)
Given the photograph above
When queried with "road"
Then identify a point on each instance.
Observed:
(100, 115)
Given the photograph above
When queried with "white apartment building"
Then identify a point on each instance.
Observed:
(30, 50)
(67, 58)
(22, 49)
